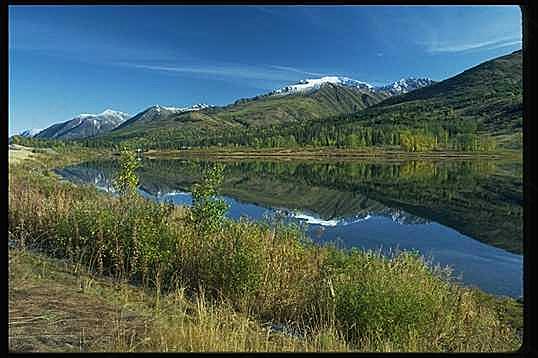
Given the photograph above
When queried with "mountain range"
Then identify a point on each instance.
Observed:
(306, 99)
(485, 99)
(84, 125)
(401, 86)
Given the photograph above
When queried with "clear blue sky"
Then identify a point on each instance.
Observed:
(66, 60)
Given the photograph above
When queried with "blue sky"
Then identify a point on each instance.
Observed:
(66, 60)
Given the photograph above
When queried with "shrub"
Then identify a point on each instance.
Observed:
(126, 181)
(208, 212)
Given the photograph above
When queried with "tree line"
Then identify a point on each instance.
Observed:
(338, 132)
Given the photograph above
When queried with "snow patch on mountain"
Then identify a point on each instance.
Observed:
(85, 125)
(311, 84)
(106, 114)
(29, 132)
(195, 107)
(405, 85)
(401, 86)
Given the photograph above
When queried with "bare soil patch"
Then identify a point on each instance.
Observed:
(53, 316)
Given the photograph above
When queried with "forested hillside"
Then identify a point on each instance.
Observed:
(262, 111)
(475, 110)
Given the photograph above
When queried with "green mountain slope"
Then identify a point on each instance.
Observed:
(490, 93)
(261, 111)
(482, 102)
(329, 100)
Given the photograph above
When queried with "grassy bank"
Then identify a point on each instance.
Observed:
(58, 306)
(225, 284)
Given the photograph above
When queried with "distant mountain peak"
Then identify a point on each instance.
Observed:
(311, 84)
(405, 85)
(159, 112)
(29, 132)
(85, 125)
(109, 111)
(104, 115)
(400, 86)
(195, 107)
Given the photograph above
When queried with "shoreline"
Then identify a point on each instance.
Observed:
(505, 310)
(339, 154)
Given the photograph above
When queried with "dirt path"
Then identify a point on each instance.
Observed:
(48, 315)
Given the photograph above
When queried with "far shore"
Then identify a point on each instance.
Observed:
(329, 153)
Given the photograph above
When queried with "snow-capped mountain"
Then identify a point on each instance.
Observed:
(199, 106)
(311, 84)
(196, 107)
(85, 125)
(405, 85)
(335, 94)
(29, 132)
(401, 86)
(158, 112)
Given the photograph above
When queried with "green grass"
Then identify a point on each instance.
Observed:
(255, 272)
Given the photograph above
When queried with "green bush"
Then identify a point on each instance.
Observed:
(126, 181)
(208, 212)
(371, 296)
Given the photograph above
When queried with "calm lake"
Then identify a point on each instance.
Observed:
(465, 214)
